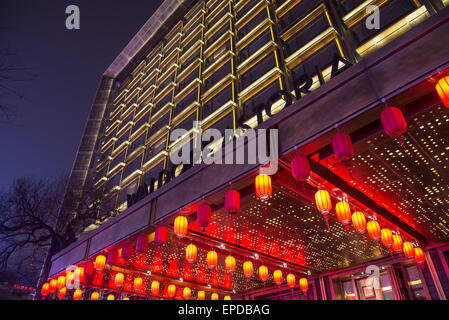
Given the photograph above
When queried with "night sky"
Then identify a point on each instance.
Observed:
(63, 70)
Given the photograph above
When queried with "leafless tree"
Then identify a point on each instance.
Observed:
(10, 74)
(33, 228)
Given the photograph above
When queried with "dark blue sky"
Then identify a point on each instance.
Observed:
(49, 120)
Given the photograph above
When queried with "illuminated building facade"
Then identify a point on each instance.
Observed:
(304, 67)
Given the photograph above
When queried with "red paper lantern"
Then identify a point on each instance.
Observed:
(227, 298)
(303, 285)
(201, 295)
(277, 276)
(230, 264)
(291, 280)
(300, 168)
(263, 186)
(263, 273)
(214, 296)
(409, 249)
(342, 146)
(374, 232)
(160, 235)
(191, 253)
(386, 237)
(138, 284)
(111, 297)
(442, 88)
(89, 269)
(203, 215)
(212, 259)
(171, 290)
(232, 201)
(248, 269)
(186, 293)
(142, 244)
(397, 243)
(393, 122)
(323, 201)
(420, 258)
(180, 226)
(359, 222)
(79, 274)
(61, 293)
(61, 282)
(112, 257)
(45, 290)
(53, 285)
(323, 204)
(78, 294)
(118, 281)
(100, 261)
(127, 250)
(343, 212)
(155, 288)
(94, 296)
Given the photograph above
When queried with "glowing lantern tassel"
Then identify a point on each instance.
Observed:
(378, 245)
(349, 233)
(364, 239)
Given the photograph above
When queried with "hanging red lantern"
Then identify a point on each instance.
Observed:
(397, 243)
(89, 269)
(142, 244)
(374, 232)
(111, 297)
(291, 280)
(212, 259)
(323, 204)
(214, 296)
(232, 201)
(359, 223)
(343, 212)
(112, 257)
(186, 293)
(203, 215)
(442, 88)
(61, 282)
(125, 298)
(303, 285)
(138, 284)
(160, 235)
(118, 281)
(342, 146)
(100, 262)
(127, 250)
(227, 298)
(53, 285)
(263, 273)
(191, 253)
(263, 187)
(78, 294)
(94, 296)
(373, 228)
(300, 168)
(45, 290)
(409, 249)
(248, 269)
(393, 122)
(230, 264)
(201, 295)
(386, 237)
(420, 258)
(155, 288)
(61, 293)
(277, 276)
(180, 226)
(171, 290)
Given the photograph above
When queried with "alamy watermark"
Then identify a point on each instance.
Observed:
(211, 147)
